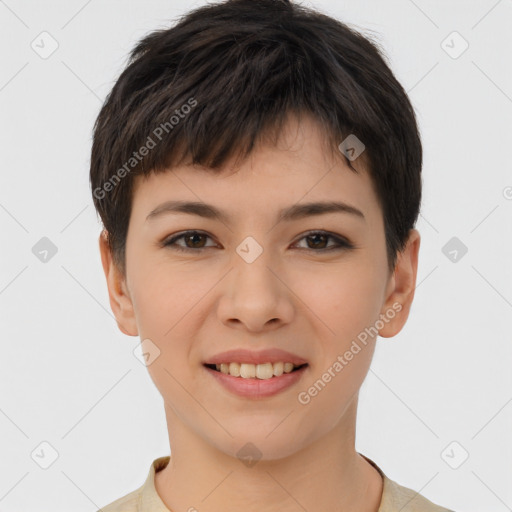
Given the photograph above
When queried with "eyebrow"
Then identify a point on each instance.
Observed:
(294, 212)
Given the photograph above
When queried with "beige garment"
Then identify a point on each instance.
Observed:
(395, 498)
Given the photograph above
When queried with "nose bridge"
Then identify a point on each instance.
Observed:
(252, 270)
(254, 295)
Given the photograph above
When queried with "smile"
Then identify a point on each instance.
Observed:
(255, 383)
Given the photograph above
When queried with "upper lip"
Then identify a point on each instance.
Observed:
(273, 355)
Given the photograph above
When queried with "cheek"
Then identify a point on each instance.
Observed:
(163, 297)
(345, 298)
(169, 302)
(342, 306)
(164, 301)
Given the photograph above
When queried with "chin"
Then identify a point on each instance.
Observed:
(253, 446)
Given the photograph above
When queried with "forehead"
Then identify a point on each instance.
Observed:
(298, 168)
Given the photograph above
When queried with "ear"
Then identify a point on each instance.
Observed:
(120, 300)
(400, 288)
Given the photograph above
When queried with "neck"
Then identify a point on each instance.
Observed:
(327, 474)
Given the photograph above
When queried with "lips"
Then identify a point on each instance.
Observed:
(249, 362)
(255, 388)
(273, 355)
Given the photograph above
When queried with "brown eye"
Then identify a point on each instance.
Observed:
(317, 241)
(192, 241)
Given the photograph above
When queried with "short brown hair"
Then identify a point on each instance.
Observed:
(226, 74)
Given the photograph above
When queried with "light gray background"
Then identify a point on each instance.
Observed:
(69, 377)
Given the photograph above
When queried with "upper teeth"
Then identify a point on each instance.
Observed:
(260, 371)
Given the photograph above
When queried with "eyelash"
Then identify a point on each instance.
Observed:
(342, 244)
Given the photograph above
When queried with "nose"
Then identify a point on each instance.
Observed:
(255, 296)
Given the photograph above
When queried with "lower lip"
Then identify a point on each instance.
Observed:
(257, 388)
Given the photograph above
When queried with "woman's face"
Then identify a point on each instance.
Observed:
(252, 280)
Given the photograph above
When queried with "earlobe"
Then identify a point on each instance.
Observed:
(119, 297)
(401, 287)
